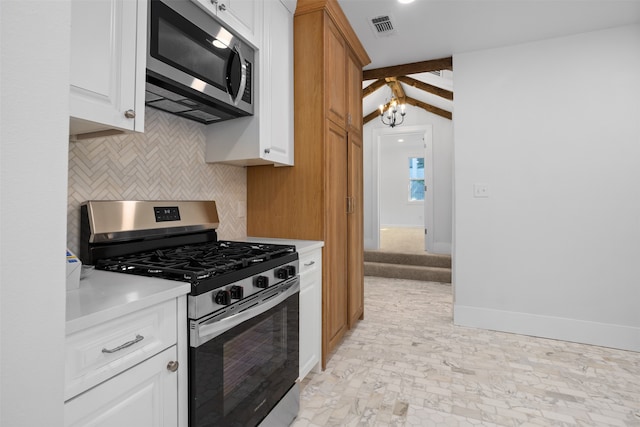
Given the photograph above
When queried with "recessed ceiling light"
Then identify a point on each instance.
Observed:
(405, 1)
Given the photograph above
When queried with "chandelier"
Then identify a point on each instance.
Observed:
(391, 115)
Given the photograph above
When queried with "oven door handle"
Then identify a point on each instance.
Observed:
(214, 328)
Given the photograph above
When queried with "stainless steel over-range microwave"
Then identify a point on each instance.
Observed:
(196, 68)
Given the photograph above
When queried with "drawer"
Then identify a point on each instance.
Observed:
(96, 354)
(310, 261)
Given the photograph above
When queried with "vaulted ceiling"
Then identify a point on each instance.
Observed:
(396, 82)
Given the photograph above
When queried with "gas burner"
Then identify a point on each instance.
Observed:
(205, 265)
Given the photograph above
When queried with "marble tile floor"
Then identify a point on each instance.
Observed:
(406, 364)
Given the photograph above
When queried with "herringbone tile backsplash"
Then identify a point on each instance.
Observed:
(164, 163)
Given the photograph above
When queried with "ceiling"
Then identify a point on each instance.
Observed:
(432, 29)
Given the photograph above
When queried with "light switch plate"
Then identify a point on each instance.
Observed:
(480, 189)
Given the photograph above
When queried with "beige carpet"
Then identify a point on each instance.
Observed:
(402, 255)
(405, 240)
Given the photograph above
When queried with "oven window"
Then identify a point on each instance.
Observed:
(252, 356)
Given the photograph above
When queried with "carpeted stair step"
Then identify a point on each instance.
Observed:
(411, 272)
(423, 260)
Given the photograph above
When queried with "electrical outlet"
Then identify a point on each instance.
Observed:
(480, 190)
(241, 209)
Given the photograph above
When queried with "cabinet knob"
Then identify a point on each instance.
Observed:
(130, 114)
(222, 7)
(173, 366)
(267, 150)
(214, 2)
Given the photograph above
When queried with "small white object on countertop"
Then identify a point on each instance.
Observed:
(105, 295)
(74, 266)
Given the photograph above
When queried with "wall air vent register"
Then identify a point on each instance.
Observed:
(382, 25)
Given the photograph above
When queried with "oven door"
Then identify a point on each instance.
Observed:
(242, 365)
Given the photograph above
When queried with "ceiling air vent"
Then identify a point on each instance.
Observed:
(382, 25)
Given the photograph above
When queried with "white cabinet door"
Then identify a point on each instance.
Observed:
(144, 396)
(108, 61)
(310, 310)
(237, 15)
(277, 95)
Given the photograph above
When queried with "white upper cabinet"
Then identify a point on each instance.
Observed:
(238, 15)
(266, 137)
(108, 62)
(276, 90)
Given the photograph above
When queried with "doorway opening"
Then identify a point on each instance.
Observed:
(401, 205)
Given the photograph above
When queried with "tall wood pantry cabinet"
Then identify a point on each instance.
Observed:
(320, 197)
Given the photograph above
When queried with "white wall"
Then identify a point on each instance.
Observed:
(553, 128)
(395, 208)
(34, 111)
(442, 174)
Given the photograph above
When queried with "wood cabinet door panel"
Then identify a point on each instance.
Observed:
(335, 77)
(335, 249)
(354, 95)
(355, 235)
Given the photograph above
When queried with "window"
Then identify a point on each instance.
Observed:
(416, 179)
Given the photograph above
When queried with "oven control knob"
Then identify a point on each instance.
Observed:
(223, 297)
(282, 273)
(291, 270)
(261, 282)
(237, 292)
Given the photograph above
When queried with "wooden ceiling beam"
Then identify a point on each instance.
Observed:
(373, 87)
(430, 108)
(411, 101)
(396, 88)
(413, 68)
(372, 115)
(447, 94)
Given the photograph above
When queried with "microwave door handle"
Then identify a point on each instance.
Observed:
(214, 328)
(243, 77)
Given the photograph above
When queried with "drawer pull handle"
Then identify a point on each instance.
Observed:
(309, 264)
(138, 338)
(173, 366)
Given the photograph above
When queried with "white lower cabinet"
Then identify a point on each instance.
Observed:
(143, 396)
(310, 310)
(129, 370)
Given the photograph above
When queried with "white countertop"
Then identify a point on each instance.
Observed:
(301, 245)
(105, 295)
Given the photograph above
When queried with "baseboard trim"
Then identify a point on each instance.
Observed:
(442, 248)
(579, 331)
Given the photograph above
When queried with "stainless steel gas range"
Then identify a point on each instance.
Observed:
(243, 308)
